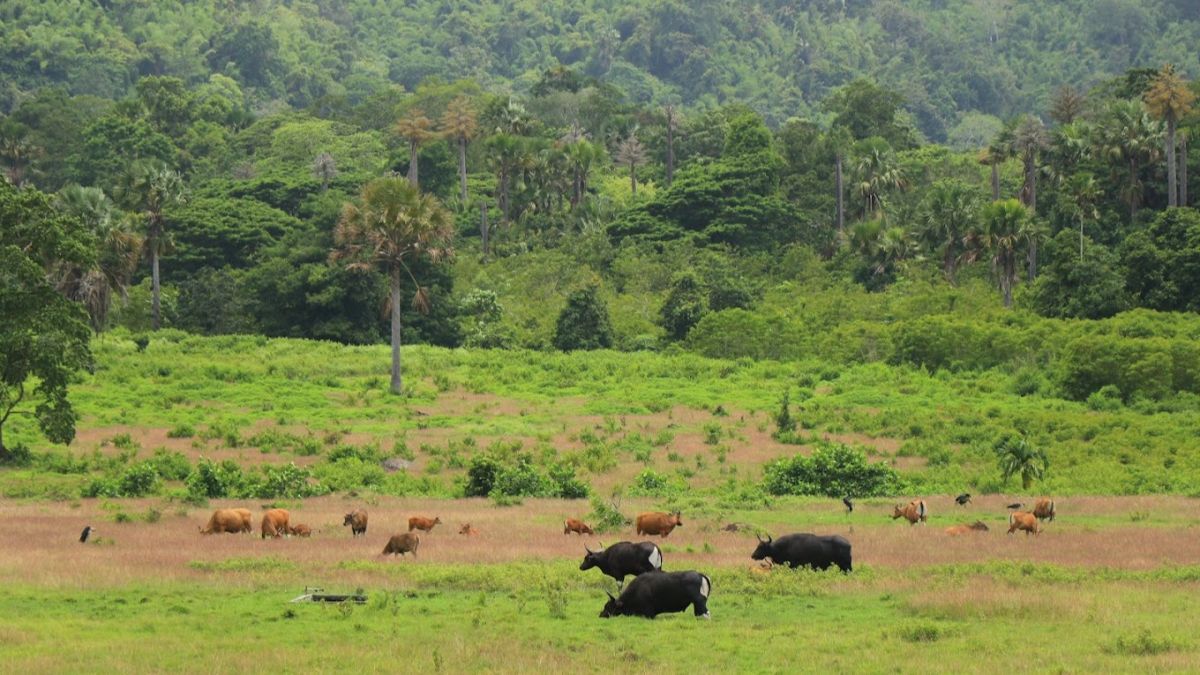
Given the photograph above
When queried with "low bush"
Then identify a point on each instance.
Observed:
(833, 470)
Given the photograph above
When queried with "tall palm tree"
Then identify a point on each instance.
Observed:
(583, 156)
(1085, 193)
(839, 141)
(1004, 229)
(17, 154)
(949, 213)
(1130, 139)
(461, 123)
(393, 226)
(117, 258)
(877, 172)
(504, 151)
(1029, 140)
(149, 189)
(1017, 457)
(1169, 99)
(417, 129)
(631, 153)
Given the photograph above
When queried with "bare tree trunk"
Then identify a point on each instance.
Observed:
(462, 169)
(412, 163)
(670, 145)
(633, 178)
(1133, 192)
(1183, 170)
(841, 206)
(995, 182)
(396, 384)
(155, 288)
(1172, 185)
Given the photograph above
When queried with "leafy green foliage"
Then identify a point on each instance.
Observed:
(833, 470)
(1017, 457)
(583, 323)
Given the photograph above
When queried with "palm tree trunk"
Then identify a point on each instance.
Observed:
(841, 206)
(483, 227)
(412, 163)
(396, 384)
(995, 182)
(1183, 171)
(1081, 240)
(633, 178)
(1008, 277)
(155, 289)
(670, 149)
(1172, 192)
(1133, 196)
(462, 169)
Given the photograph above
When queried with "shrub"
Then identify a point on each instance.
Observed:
(171, 465)
(182, 431)
(651, 483)
(565, 484)
(606, 516)
(520, 479)
(834, 470)
(784, 423)
(1106, 399)
(209, 480)
(583, 323)
(684, 307)
(481, 476)
(288, 481)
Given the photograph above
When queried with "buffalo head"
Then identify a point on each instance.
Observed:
(763, 550)
(590, 559)
(611, 608)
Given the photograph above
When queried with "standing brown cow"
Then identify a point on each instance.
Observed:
(422, 523)
(400, 544)
(274, 523)
(958, 530)
(468, 530)
(577, 526)
(657, 522)
(914, 512)
(357, 520)
(1020, 520)
(225, 520)
(1043, 508)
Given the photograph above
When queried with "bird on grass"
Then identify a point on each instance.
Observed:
(963, 499)
(849, 504)
(87, 532)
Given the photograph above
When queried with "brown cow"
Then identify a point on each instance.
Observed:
(657, 522)
(274, 523)
(357, 520)
(958, 530)
(247, 519)
(422, 523)
(468, 530)
(400, 544)
(299, 530)
(1020, 520)
(224, 520)
(1043, 508)
(914, 512)
(577, 526)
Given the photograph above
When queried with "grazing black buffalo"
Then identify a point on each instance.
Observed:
(805, 550)
(623, 559)
(655, 593)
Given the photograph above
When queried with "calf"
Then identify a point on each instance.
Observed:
(422, 523)
(914, 512)
(1020, 520)
(657, 593)
(657, 522)
(300, 530)
(1043, 508)
(357, 520)
(958, 530)
(400, 544)
(468, 530)
(624, 559)
(577, 526)
(805, 550)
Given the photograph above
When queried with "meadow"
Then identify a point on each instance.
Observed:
(1108, 586)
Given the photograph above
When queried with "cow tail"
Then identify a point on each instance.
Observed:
(1051, 510)
(1011, 517)
(921, 509)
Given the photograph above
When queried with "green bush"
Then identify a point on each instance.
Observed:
(181, 431)
(583, 323)
(606, 517)
(565, 484)
(833, 470)
(210, 481)
(285, 482)
(481, 476)
(651, 483)
(521, 479)
(171, 465)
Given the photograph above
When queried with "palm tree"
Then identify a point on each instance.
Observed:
(1004, 228)
(504, 152)
(1017, 457)
(949, 213)
(839, 140)
(1130, 138)
(117, 258)
(1085, 193)
(877, 172)
(583, 156)
(17, 154)
(460, 123)
(149, 189)
(324, 169)
(393, 226)
(631, 153)
(1169, 99)
(1029, 139)
(417, 129)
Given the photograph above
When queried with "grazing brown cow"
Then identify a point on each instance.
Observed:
(1043, 508)
(422, 523)
(400, 544)
(468, 530)
(577, 526)
(224, 520)
(958, 530)
(657, 522)
(357, 520)
(914, 512)
(300, 530)
(274, 523)
(247, 519)
(1020, 520)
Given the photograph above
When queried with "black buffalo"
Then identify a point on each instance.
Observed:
(623, 559)
(655, 593)
(805, 550)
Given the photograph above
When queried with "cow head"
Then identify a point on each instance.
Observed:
(349, 519)
(437, 520)
(897, 512)
(763, 550)
(678, 518)
(980, 525)
(614, 607)
(591, 558)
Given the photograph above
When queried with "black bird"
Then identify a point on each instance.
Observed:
(1015, 506)
(87, 532)
(849, 504)
(963, 499)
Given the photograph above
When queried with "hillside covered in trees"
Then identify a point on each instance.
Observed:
(951, 186)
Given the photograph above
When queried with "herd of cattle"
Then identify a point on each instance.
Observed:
(653, 591)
